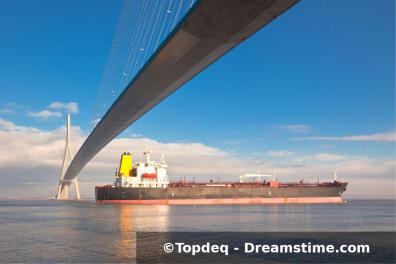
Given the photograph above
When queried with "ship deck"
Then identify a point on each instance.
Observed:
(252, 184)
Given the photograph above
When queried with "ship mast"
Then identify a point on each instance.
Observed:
(147, 153)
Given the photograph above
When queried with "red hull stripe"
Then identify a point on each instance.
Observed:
(289, 200)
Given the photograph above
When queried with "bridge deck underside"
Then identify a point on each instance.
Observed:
(208, 31)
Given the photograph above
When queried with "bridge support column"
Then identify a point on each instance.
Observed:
(63, 187)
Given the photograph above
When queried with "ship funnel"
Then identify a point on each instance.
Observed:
(125, 165)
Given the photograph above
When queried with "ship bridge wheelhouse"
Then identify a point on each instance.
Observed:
(148, 174)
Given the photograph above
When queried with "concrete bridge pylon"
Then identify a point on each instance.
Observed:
(64, 185)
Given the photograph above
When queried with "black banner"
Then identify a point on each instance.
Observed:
(265, 247)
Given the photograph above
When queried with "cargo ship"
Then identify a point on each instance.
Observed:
(147, 183)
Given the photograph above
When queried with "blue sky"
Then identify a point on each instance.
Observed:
(323, 69)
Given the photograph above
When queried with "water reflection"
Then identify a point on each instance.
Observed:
(125, 245)
(133, 218)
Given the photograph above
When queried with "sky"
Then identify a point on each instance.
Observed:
(312, 92)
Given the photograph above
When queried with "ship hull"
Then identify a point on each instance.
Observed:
(302, 200)
(182, 195)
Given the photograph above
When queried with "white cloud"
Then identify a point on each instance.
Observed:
(292, 157)
(279, 153)
(6, 111)
(323, 157)
(31, 155)
(11, 108)
(71, 107)
(6, 125)
(294, 128)
(45, 114)
(379, 137)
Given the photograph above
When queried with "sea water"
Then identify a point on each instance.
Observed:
(86, 232)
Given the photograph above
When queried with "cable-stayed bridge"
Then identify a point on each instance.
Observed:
(200, 33)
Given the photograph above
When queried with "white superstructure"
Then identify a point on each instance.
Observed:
(148, 174)
(255, 177)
